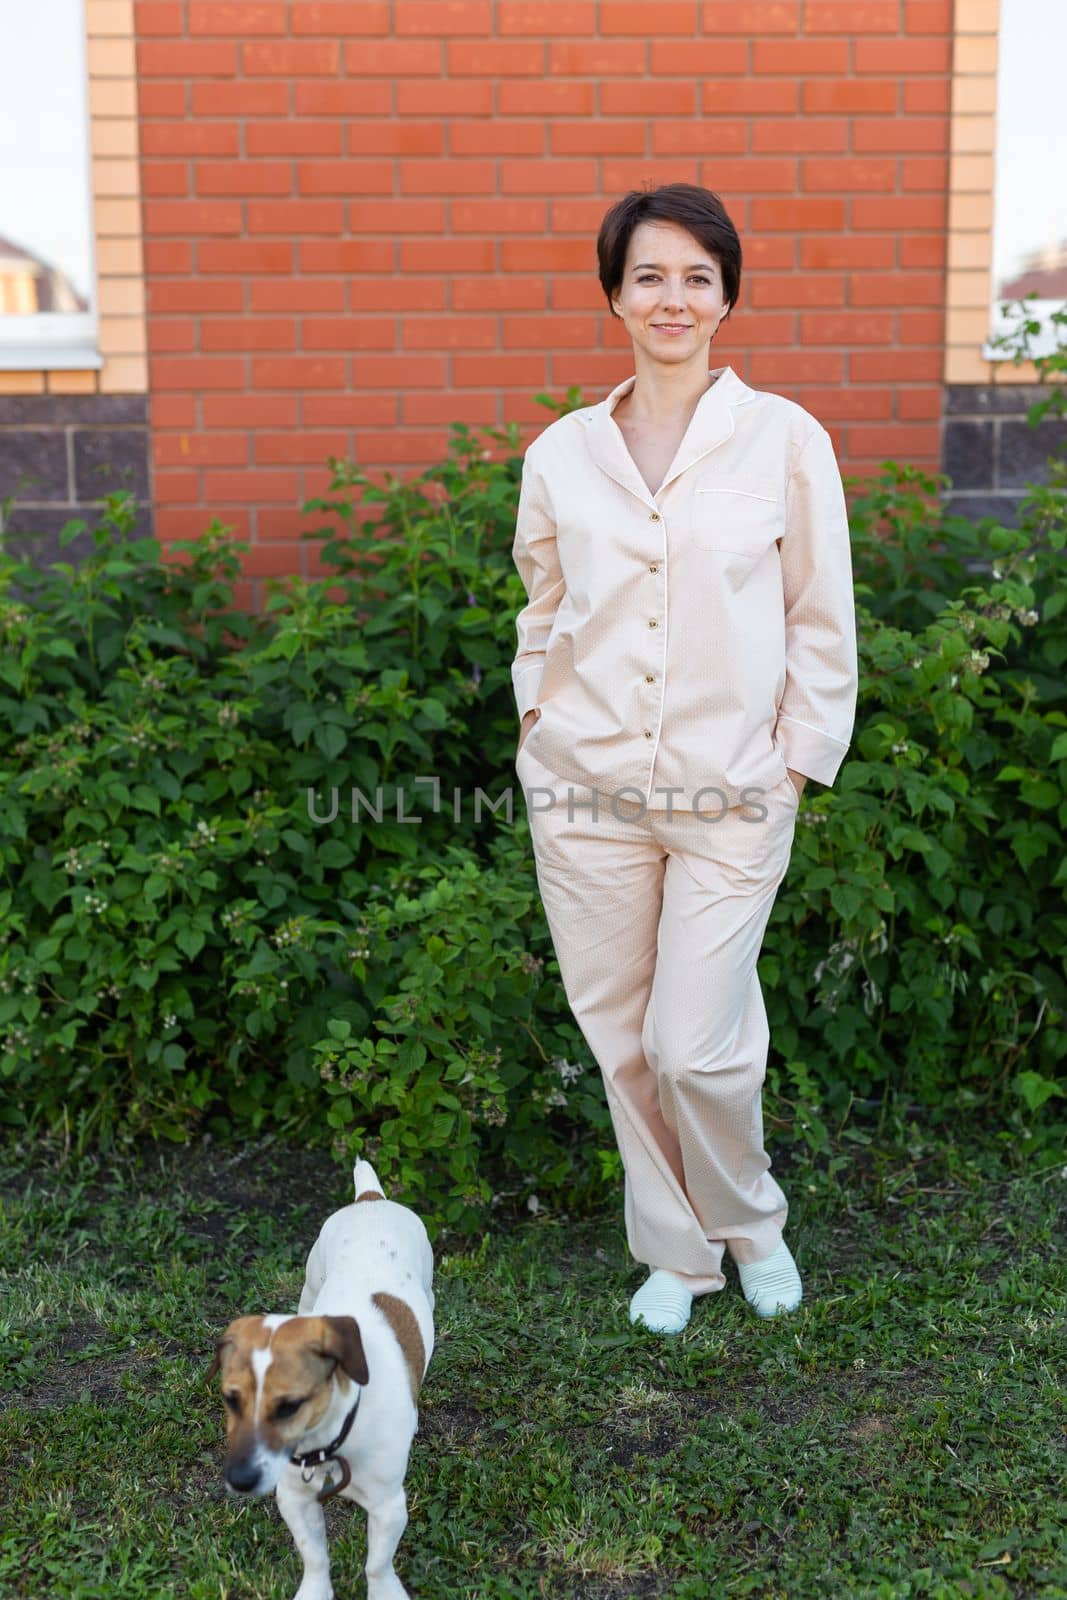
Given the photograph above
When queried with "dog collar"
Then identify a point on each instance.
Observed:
(310, 1459)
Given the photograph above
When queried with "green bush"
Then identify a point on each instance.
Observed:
(186, 946)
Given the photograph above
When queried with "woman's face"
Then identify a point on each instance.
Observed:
(670, 278)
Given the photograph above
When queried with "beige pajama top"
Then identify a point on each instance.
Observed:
(702, 637)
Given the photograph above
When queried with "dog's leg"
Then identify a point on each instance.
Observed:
(307, 1524)
(386, 1522)
(312, 1282)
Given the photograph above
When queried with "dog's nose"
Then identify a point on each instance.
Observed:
(242, 1476)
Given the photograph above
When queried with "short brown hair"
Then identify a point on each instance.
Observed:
(699, 211)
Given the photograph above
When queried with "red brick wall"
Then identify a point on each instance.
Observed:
(366, 220)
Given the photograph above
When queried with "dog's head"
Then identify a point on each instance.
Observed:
(279, 1377)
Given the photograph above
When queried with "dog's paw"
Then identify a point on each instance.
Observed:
(389, 1588)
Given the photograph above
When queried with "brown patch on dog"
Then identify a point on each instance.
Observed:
(369, 1194)
(402, 1320)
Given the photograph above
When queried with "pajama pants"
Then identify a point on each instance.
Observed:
(657, 923)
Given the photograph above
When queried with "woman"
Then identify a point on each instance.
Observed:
(686, 661)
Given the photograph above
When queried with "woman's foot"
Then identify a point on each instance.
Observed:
(773, 1285)
(662, 1303)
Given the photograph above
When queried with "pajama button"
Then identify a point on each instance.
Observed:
(652, 622)
(653, 568)
(649, 677)
(648, 733)
(654, 516)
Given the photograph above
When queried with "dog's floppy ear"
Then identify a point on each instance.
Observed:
(341, 1340)
(227, 1339)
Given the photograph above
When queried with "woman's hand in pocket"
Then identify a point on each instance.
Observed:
(527, 723)
(797, 779)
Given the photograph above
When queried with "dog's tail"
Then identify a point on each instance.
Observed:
(365, 1181)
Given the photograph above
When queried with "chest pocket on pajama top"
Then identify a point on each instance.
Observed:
(735, 517)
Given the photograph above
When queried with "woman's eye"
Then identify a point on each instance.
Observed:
(648, 277)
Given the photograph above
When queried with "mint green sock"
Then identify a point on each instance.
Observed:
(662, 1303)
(773, 1285)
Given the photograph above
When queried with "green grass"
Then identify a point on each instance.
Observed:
(899, 1435)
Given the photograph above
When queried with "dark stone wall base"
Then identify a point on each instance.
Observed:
(991, 452)
(59, 455)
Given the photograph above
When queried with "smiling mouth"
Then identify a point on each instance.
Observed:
(675, 327)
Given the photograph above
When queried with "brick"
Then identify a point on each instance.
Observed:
(215, 17)
(192, 294)
(176, 487)
(430, 17)
(517, 98)
(71, 382)
(175, 411)
(243, 177)
(546, 177)
(801, 57)
(197, 372)
(496, 58)
(632, 16)
(299, 447)
(282, 522)
(550, 17)
(158, 18)
(189, 139)
(293, 58)
(443, 99)
(169, 336)
(647, 99)
(344, 177)
(240, 99)
(347, 333)
(394, 57)
(711, 58)
(193, 449)
(413, 138)
(598, 58)
(850, 174)
(452, 333)
(323, 98)
(298, 372)
(273, 561)
(168, 255)
(346, 255)
(852, 17)
(902, 57)
(297, 294)
(352, 410)
(178, 58)
(254, 411)
(192, 217)
(169, 178)
(247, 333)
(293, 139)
(296, 217)
(342, 17)
(370, 292)
(245, 256)
(899, 134)
(395, 371)
(490, 137)
(161, 99)
(248, 487)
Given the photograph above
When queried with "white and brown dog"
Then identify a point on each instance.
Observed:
(337, 1385)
